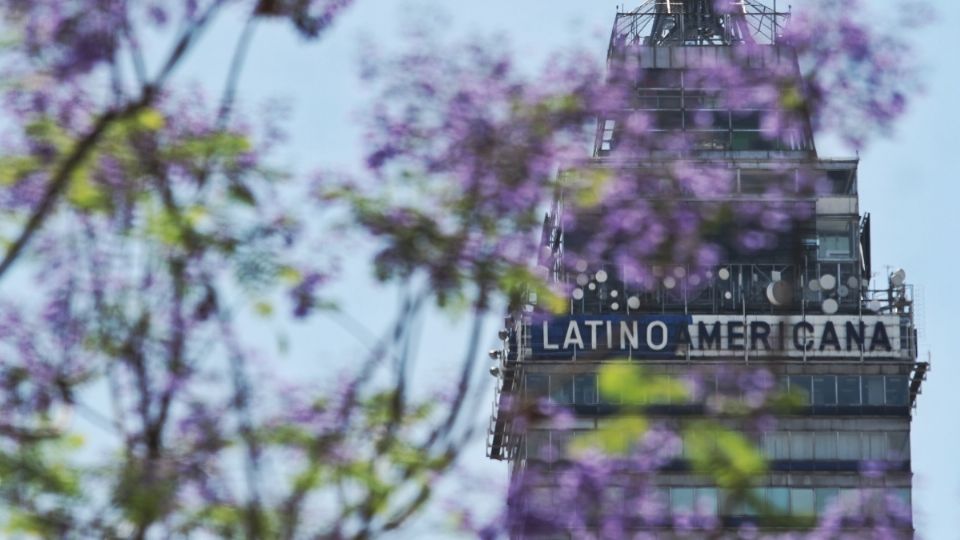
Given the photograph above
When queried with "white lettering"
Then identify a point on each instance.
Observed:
(573, 330)
(546, 339)
(663, 333)
(593, 332)
(626, 334)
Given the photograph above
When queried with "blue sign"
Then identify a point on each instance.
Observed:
(608, 336)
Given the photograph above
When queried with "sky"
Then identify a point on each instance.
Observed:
(906, 183)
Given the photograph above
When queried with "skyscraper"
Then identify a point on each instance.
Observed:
(795, 301)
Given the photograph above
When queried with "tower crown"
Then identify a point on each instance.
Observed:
(698, 22)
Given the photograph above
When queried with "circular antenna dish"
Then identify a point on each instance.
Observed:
(581, 266)
(694, 280)
(828, 282)
(874, 305)
(830, 306)
(898, 278)
(669, 282)
(582, 279)
(592, 286)
(614, 293)
(680, 272)
(615, 306)
(578, 294)
(843, 291)
(728, 295)
(814, 285)
(724, 273)
(601, 276)
(633, 302)
(853, 282)
(779, 293)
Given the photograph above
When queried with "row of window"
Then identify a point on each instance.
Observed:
(710, 501)
(816, 390)
(549, 445)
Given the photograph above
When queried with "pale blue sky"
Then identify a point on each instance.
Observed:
(906, 183)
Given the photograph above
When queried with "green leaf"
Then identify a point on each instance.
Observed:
(614, 437)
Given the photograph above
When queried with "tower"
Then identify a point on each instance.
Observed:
(798, 305)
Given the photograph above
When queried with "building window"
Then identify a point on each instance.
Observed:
(561, 389)
(896, 388)
(848, 390)
(848, 446)
(801, 445)
(800, 387)
(538, 385)
(585, 389)
(802, 502)
(836, 239)
(873, 390)
(824, 390)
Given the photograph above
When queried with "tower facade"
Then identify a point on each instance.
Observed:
(798, 304)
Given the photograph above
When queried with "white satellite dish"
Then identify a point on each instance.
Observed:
(814, 285)
(614, 293)
(874, 305)
(583, 279)
(898, 278)
(853, 282)
(728, 295)
(578, 294)
(779, 293)
(592, 286)
(680, 272)
(724, 274)
(694, 280)
(828, 282)
(633, 302)
(669, 282)
(614, 306)
(601, 276)
(830, 306)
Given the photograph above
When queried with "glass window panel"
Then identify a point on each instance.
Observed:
(896, 391)
(903, 494)
(876, 445)
(849, 497)
(537, 385)
(873, 390)
(768, 445)
(681, 500)
(706, 500)
(800, 386)
(585, 389)
(825, 446)
(824, 390)
(776, 445)
(825, 499)
(802, 502)
(779, 499)
(848, 446)
(560, 440)
(668, 120)
(899, 442)
(836, 238)
(537, 441)
(748, 120)
(801, 445)
(561, 389)
(848, 390)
